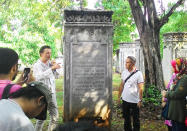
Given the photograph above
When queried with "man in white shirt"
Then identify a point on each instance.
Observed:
(131, 92)
(45, 71)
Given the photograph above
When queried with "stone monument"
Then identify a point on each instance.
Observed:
(130, 49)
(175, 45)
(88, 66)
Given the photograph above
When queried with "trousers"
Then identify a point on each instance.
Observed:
(53, 112)
(128, 110)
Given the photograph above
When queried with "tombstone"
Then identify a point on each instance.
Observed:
(88, 66)
(131, 49)
(116, 61)
(175, 45)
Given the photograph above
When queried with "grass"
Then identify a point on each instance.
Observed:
(116, 80)
(59, 95)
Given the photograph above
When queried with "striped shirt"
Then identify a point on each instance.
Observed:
(43, 73)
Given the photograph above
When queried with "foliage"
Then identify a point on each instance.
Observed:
(122, 21)
(26, 25)
(177, 23)
(152, 95)
(124, 24)
(116, 78)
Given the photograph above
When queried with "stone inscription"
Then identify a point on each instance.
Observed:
(89, 68)
(182, 53)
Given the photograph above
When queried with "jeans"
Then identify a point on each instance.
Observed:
(53, 112)
(128, 110)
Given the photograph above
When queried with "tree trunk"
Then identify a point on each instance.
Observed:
(153, 66)
(148, 25)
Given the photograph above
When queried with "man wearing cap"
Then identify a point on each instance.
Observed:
(28, 102)
(131, 92)
(44, 71)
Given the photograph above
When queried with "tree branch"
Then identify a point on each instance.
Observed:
(4, 2)
(143, 2)
(165, 18)
(137, 13)
(145, 12)
(152, 14)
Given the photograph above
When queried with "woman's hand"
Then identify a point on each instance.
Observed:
(164, 93)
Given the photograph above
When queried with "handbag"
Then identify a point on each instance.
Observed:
(165, 110)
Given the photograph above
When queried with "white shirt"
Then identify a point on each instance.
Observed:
(43, 73)
(12, 117)
(130, 91)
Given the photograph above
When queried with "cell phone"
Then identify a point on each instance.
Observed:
(26, 72)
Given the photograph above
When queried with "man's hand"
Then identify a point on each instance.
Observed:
(55, 66)
(119, 101)
(21, 80)
(140, 86)
(53, 62)
(139, 104)
(120, 91)
(30, 77)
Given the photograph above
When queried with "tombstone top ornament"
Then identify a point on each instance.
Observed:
(175, 37)
(87, 16)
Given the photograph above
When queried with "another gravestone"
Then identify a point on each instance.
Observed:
(88, 66)
(175, 45)
(130, 49)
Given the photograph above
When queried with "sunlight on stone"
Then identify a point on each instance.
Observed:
(85, 49)
(94, 53)
(105, 112)
(81, 114)
(98, 106)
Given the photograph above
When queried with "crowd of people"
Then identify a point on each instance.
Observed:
(18, 104)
